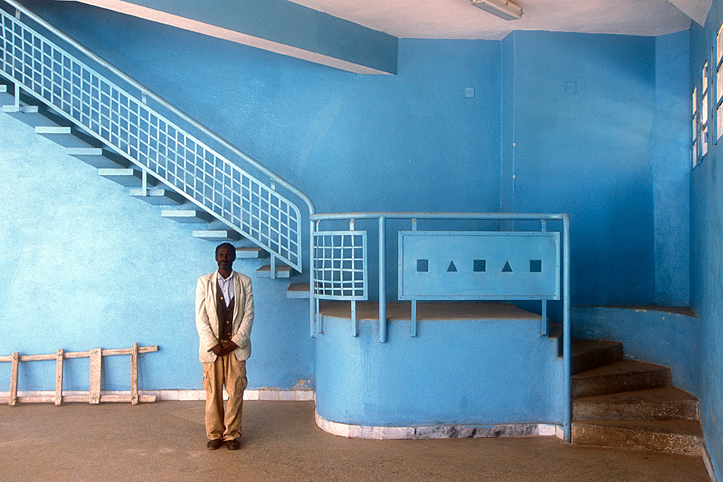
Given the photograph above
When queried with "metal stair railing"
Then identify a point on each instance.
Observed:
(184, 161)
(339, 268)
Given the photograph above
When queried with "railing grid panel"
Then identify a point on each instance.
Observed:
(150, 140)
(339, 269)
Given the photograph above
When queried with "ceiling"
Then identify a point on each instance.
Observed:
(457, 19)
(320, 30)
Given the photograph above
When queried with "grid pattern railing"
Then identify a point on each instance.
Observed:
(340, 265)
(150, 140)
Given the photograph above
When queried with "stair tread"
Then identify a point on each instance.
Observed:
(187, 215)
(158, 196)
(118, 171)
(581, 347)
(182, 212)
(300, 287)
(279, 267)
(298, 290)
(662, 394)
(620, 367)
(673, 427)
(216, 234)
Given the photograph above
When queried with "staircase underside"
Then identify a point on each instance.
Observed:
(113, 166)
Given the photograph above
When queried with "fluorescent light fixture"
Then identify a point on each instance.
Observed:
(502, 8)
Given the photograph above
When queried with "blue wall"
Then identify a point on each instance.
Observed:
(670, 169)
(541, 133)
(469, 372)
(87, 266)
(581, 121)
(408, 142)
(326, 131)
(707, 258)
(558, 123)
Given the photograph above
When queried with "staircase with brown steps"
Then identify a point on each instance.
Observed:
(630, 404)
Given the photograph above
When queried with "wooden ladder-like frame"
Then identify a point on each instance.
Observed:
(94, 394)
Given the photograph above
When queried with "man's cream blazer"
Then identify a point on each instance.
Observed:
(207, 317)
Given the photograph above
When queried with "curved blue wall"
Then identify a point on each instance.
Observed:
(707, 258)
(469, 372)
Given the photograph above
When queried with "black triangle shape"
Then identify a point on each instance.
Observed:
(507, 268)
(452, 268)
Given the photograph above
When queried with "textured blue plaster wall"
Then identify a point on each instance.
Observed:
(670, 169)
(409, 142)
(707, 259)
(352, 142)
(84, 265)
(583, 112)
(453, 372)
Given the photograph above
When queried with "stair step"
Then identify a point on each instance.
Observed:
(127, 176)
(281, 271)
(217, 234)
(5, 97)
(66, 136)
(678, 437)
(666, 403)
(187, 215)
(158, 196)
(35, 114)
(22, 111)
(298, 290)
(251, 253)
(589, 354)
(98, 157)
(626, 375)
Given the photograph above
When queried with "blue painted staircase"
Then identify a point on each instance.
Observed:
(138, 140)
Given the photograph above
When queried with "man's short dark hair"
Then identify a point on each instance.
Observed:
(227, 245)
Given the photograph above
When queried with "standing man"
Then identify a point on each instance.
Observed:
(224, 316)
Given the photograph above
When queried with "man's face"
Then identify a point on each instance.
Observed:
(225, 258)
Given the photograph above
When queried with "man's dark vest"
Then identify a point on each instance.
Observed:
(225, 314)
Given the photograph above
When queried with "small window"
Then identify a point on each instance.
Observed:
(718, 118)
(695, 129)
(704, 110)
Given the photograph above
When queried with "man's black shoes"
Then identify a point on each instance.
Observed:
(214, 444)
(233, 444)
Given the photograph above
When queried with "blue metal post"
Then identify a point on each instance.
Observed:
(413, 328)
(312, 301)
(382, 281)
(566, 329)
(354, 331)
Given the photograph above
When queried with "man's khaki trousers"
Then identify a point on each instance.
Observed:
(226, 370)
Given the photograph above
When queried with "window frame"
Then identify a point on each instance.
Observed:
(718, 85)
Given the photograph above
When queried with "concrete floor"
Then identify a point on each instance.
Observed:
(166, 441)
